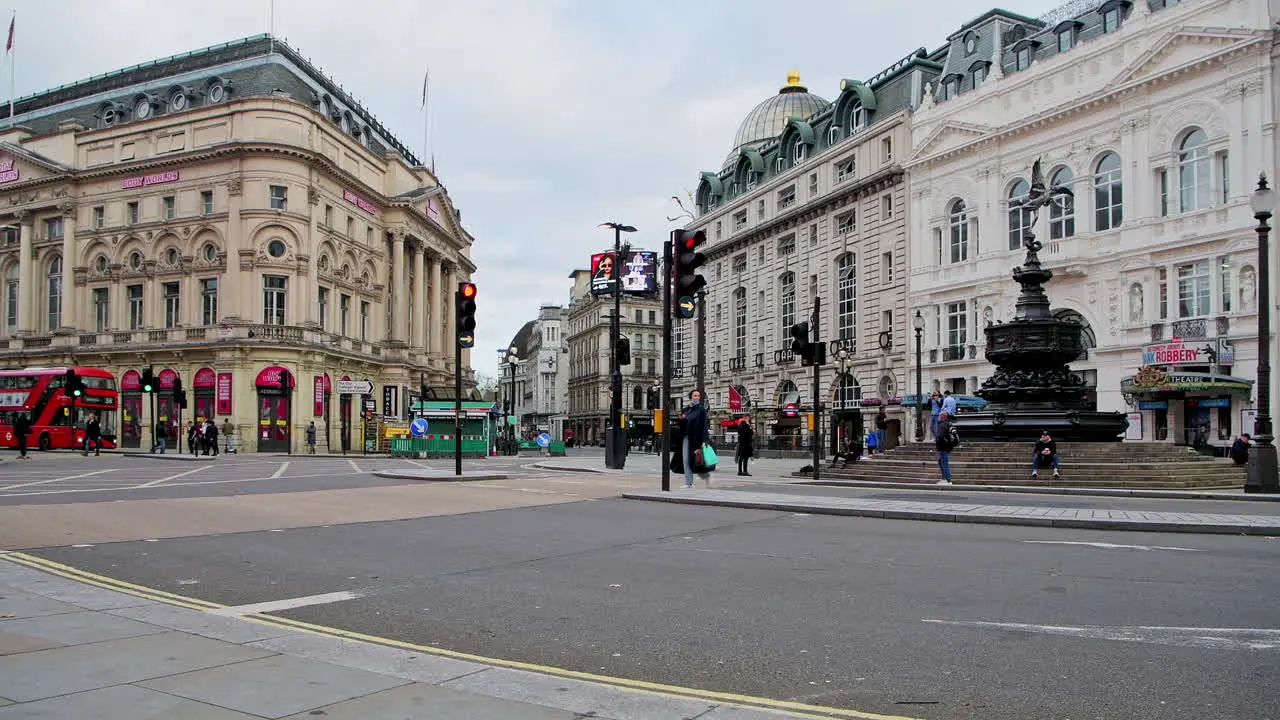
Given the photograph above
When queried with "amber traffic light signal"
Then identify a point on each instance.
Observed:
(466, 314)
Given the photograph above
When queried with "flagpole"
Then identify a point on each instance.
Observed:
(13, 57)
(426, 122)
(271, 28)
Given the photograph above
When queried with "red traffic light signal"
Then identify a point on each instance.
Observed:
(466, 314)
(686, 281)
(467, 290)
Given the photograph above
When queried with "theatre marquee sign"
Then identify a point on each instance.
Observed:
(1177, 352)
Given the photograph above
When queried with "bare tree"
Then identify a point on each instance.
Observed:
(487, 386)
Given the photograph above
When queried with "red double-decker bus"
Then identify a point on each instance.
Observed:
(57, 421)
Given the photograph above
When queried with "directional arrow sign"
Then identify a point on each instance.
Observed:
(686, 307)
(355, 387)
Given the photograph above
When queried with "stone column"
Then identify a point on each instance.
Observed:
(436, 342)
(69, 262)
(309, 303)
(26, 274)
(400, 290)
(235, 297)
(419, 298)
(449, 290)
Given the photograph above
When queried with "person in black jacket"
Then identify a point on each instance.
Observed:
(21, 429)
(1240, 450)
(93, 435)
(696, 433)
(1046, 452)
(746, 446)
(945, 440)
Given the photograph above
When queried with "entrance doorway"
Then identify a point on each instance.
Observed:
(275, 411)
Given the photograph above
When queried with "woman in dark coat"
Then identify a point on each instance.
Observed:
(746, 446)
(696, 432)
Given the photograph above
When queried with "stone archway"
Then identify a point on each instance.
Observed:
(1088, 338)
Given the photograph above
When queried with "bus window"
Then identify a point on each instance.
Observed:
(99, 383)
(107, 421)
(18, 382)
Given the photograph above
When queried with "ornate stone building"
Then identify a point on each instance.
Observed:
(1158, 115)
(809, 202)
(588, 379)
(232, 218)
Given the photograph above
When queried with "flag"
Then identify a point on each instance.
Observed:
(425, 78)
(12, 23)
(735, 398)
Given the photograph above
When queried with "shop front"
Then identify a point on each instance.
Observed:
(344, 418)
(1199, 409)
(131, 409)
(275, 412)
(167, 411)
(204, 387)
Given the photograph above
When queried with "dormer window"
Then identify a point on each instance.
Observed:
(978, 74)
(751, 180)
(798, 153)
(1067, 32)
(1022, 58)
(780, 164)
(970, 44)
(833, 135)
(1113, 14)
(950, 87)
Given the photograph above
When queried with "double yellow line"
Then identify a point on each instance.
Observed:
(782, 707)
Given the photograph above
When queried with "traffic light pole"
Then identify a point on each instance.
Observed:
(457, 386)
(154, 443)
(817, 390)
(701, 367)
(664, 402)
(616, 452)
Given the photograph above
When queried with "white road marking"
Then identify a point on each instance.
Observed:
(54, 480)
(277, 605)
(355, 467)
(81, 546)
(153, 483)
(1111, 546)
(121, 488)
(1195, 637)
(280, 471)
(566, 482)
(421, 465)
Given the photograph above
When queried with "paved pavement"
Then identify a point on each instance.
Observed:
(71, 650)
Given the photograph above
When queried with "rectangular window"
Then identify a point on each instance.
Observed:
(847, 297)
(99, 217)
(886, 268)
(209, 301)
(846, 170)
(351, 227)
(886, 321)
(957, 328)
(328, 216)
(1193, 289)
(787, 306)
(1162, 188)
(273, 299)
(760, 210)
(740, 323)
(653, 318)
(813, 235)
(131, 212)
(719, 230)
(322, 301)
(279, 197)
(1111, 20)
(651, 342)
(136, 318)
(206, 202)
(11, 303)
(344, 315)
(847, 224)
(1022, 60)
(1224, 282)
(886, 207)
(739, 264)
(53, 228)
(787, 246)
(101, 309)
(364, 321)
(813, 185)
(1164, 294)
(172, 304)
(886, 150)
(739, 220)
(1224, 178)
(368, 236)
(170, 207)
(653, 366)
(1065, 40)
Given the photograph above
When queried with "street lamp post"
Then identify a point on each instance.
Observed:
(513, 357)
(615, 451)
(844, 359)
(918, 324)
(1263, 470)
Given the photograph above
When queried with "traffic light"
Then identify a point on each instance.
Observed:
(74, 386)
(148, 380)
(624, 351)
(466, 314)
(179, 395)
(685, 278)
(800, 345)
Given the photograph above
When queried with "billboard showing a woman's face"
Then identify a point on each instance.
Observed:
(638, 274)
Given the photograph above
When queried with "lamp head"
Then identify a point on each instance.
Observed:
(917, 322)
(1263, 200)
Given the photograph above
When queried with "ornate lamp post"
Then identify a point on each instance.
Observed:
(513, 357)
(844, 359)
(615, 454)
(918, 323)
(1263, 471)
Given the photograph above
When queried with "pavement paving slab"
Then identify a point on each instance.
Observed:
(117, 703)
(434, 703)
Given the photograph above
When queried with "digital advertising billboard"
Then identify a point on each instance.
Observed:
(639, 272)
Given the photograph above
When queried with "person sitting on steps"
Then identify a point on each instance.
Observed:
(1046, 452)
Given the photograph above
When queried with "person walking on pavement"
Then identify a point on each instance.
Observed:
(873, 443)
(311, 438)
(1240, 450)
(228, 431)
(696, 431)
(935, 409)
(746, 446)
(210, 438)
(22, 428)
(1046, 452)
(948, 404)
(945, 441)
(92, 435)
(882, 425)
(161, 438)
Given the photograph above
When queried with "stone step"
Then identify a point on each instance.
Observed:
(966, 452)
(1044, 481)
(1123, 468)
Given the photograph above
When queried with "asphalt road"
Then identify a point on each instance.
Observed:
(878, 615)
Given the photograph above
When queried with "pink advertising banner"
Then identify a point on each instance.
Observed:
(224, 393)
(318, 399)
(154, 179)
(8, 173)
(359, 202)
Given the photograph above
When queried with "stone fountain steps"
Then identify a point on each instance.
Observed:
(831, 477)
(1077, 452)
(1022, 464)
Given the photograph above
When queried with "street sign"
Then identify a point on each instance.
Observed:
(354, 387)
(686, 307)
(544, 440)
(418, 427)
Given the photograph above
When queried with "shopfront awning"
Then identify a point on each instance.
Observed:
(1151, 382)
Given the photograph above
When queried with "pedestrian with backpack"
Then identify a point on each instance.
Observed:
(946, 440)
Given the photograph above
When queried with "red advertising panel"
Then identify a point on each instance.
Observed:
(224, 393)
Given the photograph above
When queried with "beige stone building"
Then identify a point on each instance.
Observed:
(232, 218)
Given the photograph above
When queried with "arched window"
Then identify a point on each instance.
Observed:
(1019, 217)
(847, 297)
(1108, 193)
(55, 293)
(1062, 211)
(848, 392)
(857, 118)
(786, 388)
(787, 302)
(11, 299)
(958, 224)
(1193, 171)
(740, 323)
(799, 152)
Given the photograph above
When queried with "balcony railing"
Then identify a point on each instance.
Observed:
(955, 352)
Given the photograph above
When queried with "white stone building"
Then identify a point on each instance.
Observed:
(1159, 116)
(541, 374)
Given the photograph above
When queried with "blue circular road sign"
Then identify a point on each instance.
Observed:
(418, 427)
(544, 440)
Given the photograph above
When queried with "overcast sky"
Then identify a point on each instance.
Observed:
(548, 116)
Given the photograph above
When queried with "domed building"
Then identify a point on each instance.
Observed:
(767, 120)
(809, 205)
